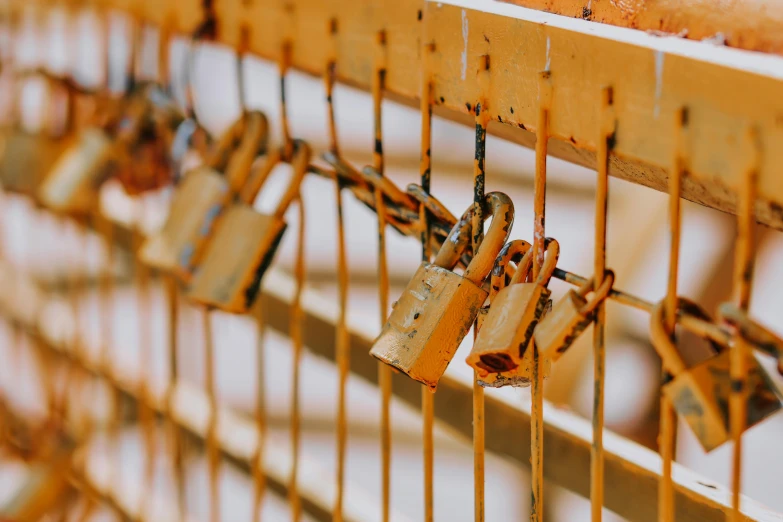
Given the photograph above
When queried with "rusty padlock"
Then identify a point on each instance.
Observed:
(72, 185)
(131, 143)
(143, 140)
(513, 251)
(558, 330)
(26, 157)
(439, 306)
(701, 393)
(245, 241)
(203, 194)
(500, 355)
(752, 332)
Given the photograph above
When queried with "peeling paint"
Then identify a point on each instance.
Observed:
(464, 44)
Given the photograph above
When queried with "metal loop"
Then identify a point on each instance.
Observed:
(300, 161)
(500, 207)
(663, 343)
(552, 253)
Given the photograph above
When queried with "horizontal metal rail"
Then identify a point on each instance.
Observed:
(632, 470)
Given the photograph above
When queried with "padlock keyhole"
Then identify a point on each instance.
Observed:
(496, 362)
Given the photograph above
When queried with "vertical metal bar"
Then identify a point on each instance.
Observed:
(212, 446)
(257, 467)
(425, 169)
(147, 416)
(539, 235)
(599, 350)
(477, 225)
(384, 371)
(175, 436)
(296, 307)
(743, 281)
(668, 428)
(342, 340)
(539, 185)
(297, 341)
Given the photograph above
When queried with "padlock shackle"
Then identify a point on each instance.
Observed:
(518, 248)
(237, 148)
(751, 331)
(455, 243)
(663, 343)
(551, 256)
(300, 163)
(220, 150)
(600, 294)
(500, 207)
(523, 268)
(254, 140)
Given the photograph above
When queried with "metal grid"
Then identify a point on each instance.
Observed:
(616, 140)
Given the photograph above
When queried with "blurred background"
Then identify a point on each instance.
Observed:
(44, 249)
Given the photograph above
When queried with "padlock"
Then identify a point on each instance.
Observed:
(203, 194)
(245, 241)
(562, 326)
(500, 354)
(26, 157)
(513, 251)
(144, 139)
(130, 140)
(72, 185)
(701, 393)
(752, 332)
(439, 306)
(46, 487)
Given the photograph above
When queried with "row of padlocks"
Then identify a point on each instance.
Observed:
(218, 247)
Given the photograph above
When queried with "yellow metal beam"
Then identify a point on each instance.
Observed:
(726, 91)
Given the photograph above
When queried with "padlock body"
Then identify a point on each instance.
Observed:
(558, 330)
(701, 397)
(500, 354)
(27, 159)
(236, 259)
(197, 203)
(73, 184)
(428, 323)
